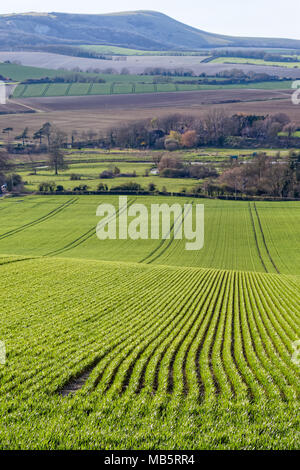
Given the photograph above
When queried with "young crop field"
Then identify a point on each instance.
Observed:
(242, 60)
(239, 235)
(131, 85)
(141, 344)
(115, 84)
(124, 51)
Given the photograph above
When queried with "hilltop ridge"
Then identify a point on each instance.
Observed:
(149, 30)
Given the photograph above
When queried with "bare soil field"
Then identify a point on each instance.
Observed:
(137, 64)
(101, 112)
(150, 100)
(12, 107)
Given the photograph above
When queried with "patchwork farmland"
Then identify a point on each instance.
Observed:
(100, 112)
(138, 342)
(115, 88)
(137, 64)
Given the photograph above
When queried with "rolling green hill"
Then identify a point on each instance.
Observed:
(240, 235)
(123, 344)
(147, 30)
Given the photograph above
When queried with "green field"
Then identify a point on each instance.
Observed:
(90, 175)
(250, 239)
(89, 164)
(242, 60)
(131, 85)
(114, 84)
(21, 72)
(140, 344)
(114, 50)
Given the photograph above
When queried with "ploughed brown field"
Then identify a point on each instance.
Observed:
(137, 64)
(101, 112)
(12, 107)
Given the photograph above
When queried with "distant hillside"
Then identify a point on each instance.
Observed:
(147, 30)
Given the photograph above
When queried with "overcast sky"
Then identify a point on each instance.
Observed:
(265, 18)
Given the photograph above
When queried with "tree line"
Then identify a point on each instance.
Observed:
(215, 128)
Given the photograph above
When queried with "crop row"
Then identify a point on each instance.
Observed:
(83, 89)
(136, 329)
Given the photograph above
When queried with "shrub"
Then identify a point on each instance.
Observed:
(171, 144)
(102, 187)
(75, 177)
(47, 187)
(130, 186)
(151, 187)
(14, 182)
(81, 187)
(174, 173)
(106, 174)
(202, 171)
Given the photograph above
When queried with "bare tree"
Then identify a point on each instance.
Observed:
(56, 155)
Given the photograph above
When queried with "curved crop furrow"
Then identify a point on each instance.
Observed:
(207, 383)
(281, 313)
(158, 339)
(213, 349)
(253, 347)
(194, 347)
(255, 388)
(217, 347)
(83, 238)
(287, 303)
(141, 379)
(263, 344)
(181, 368)
(264, 240)
(179, 309)
(232, 344)
(228, 379)
(142, 324)
(173, 233)
(176, 331)
(161, 379)
(289, 229)
(44, 218)
(107, 328)
(163, 243)
(11, 260)
(105, 349)
(256, 240)
(283, 367)
(180, 362)
(110, 323)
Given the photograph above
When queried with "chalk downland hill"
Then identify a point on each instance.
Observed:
(147, 30)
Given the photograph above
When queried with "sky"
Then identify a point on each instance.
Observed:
(259, 18)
